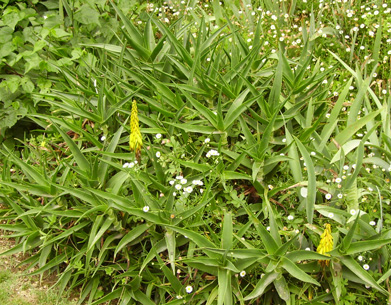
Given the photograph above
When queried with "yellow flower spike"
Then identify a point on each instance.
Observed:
(326, 244)
(135, 140)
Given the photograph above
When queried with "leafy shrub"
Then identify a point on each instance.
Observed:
(247, 156)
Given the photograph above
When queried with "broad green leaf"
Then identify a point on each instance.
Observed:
(129, 237)
(359, 271)
(311, 197)
(262, 284)
(296, 272)
(226, 238)
(367, 245)
(77, 154)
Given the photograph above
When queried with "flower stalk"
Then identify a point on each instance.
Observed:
(326, 244)
(135, 140)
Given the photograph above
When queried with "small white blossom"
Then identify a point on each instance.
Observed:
(179, 177)
(158, 154)
(188, 189)
(340, 196)
(189, 289)
(372, 223)
(197, 182)
(331, 215)
(178, 186)
(328, 196)
(360, 258)
(353, 212)
(304, 192)
(183, 181)
(146, 209)
(125, 165)
(290, 217)
(158, 136)
(308, 249)
(212, 152)
(172, 182)
(102, 138)
(242, 273)
(366, 266)
(338, 180)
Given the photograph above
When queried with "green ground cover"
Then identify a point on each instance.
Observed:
(199, 152)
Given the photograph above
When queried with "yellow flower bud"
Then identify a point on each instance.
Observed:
(135, 140)
(326, 244)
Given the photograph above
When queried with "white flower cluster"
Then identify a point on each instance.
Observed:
(182, 181)
(129, 165)
(197, 182)
(212, 152)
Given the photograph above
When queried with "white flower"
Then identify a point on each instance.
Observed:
(353, 212)
(207, 140)
(125, 165)
(188, 189)
(201, 191)
(158, 154)
(131, 164)
(179, 177)
(360, 258)
(268, 228)
(174, 194)
(283, 140)
(308, 249)
(178, 186)
(183, 181)
(189, 289)
(313, 153)
(304, 192)
(102, 138)
(290, 217)
(372, 223)
(338, 180)
(328, 196)
(339, 195)
(158, 136)
(331, 215)
(366, 266)
(327, 115)
(197, 182)
(172, 182)
(179, 297)
(146, 209)
(212, 152)
(242, 273)
(346, 167)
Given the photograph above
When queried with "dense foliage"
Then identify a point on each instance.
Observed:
(262, 174)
